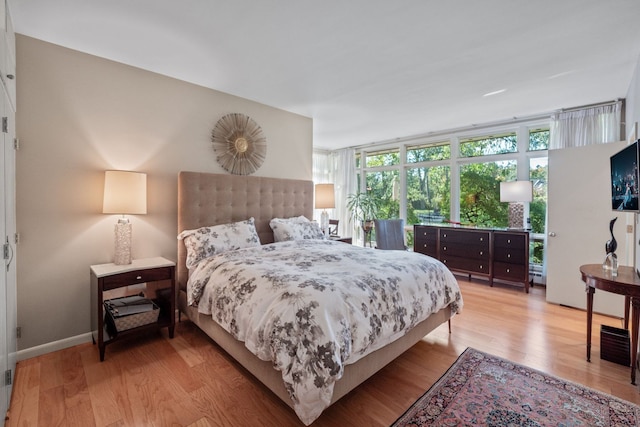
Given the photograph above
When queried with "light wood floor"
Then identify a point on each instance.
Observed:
(189, 381)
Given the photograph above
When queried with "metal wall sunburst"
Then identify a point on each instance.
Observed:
(239, 144)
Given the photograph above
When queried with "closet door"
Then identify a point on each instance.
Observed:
(10, 240)
(4, 354)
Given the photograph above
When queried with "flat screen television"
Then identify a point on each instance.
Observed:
(625, 179)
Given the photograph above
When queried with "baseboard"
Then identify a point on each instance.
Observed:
(39, 350)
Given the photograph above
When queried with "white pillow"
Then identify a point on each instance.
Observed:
(296, 228)
(207, 241)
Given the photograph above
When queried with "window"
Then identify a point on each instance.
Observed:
(480, 193)
(538, 172)
(488, 145)
(538, 139)
(423, 153)
(383, 158)
(385, 187)
(428, 194)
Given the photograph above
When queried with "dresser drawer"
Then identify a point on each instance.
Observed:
(425, 240)
(509, 240)
(471, 251)
(465, 264)
(507, 271)
(509, 255)
(139, 276)
(480, 238)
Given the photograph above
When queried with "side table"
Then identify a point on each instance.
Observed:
(105, 277)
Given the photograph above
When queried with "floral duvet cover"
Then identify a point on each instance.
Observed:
(313, 306)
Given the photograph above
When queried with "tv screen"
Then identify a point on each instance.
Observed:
(625, 179)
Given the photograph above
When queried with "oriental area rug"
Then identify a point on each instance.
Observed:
(484, 390)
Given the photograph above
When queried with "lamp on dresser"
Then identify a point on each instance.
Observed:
(325, 199)
(516, 193)
(125, 193)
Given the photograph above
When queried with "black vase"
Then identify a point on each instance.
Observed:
(611, 245)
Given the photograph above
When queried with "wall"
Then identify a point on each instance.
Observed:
(79, 115)
(632, 118)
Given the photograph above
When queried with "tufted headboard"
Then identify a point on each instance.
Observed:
(209, 199)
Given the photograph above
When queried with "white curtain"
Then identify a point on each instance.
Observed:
(337, 168)
(594, 125)
(345, 181)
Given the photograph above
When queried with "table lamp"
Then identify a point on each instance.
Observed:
(325, 199)
(124, 193)
(516, 192)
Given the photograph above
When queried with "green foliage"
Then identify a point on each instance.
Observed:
(480, 193)
(539, 139)
(428, 193)
(384, 186)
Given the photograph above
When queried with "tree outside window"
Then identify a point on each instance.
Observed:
(480, 203)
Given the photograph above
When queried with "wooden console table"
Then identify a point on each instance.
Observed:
(625, 283)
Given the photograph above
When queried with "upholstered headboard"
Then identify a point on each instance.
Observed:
(209, 199)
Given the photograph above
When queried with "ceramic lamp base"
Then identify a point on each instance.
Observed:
(123, 242)
(324, 222)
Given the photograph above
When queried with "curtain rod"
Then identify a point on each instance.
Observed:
(597, 104)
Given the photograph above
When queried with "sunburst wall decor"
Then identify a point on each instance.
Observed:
(239, 144)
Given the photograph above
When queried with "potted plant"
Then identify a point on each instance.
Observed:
(363, 208)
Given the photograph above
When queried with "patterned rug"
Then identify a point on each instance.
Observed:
(484, 390)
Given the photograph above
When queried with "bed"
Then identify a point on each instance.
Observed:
(206, 200)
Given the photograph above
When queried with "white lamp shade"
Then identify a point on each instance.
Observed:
(516, 191)
(325, 196)
(125, 192)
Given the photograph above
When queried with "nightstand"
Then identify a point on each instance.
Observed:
(154, 276)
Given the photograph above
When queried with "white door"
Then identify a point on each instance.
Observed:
(10, 232)
(579, 209)
(4, 390)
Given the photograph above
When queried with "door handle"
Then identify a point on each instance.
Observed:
(552, 234)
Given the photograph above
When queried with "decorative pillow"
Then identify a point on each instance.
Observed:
(296, 228)
(207, 241)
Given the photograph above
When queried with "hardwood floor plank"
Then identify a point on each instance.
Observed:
(26, 395)
(190, 381)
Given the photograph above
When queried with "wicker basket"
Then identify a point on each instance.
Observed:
(120, 319)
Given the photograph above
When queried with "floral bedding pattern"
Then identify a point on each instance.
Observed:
(313, 306)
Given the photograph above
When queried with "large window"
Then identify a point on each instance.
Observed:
(456, 177)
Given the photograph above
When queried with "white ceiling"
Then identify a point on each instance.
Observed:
(365, 70)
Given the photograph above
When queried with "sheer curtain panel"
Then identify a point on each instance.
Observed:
(593, 125)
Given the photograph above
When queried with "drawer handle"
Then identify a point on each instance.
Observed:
(508, 270)
(139, 277)
(444, 235)
(508, 255)
(481, 267)
(482, 239)
(425, 245)
(481, 253)
(508, 240)
(444, 248)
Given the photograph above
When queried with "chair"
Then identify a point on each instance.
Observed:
(333, 227)
(390, 234)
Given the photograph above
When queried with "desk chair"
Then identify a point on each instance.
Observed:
(390, 234)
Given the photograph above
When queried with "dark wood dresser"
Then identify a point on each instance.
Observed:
(490, 253)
